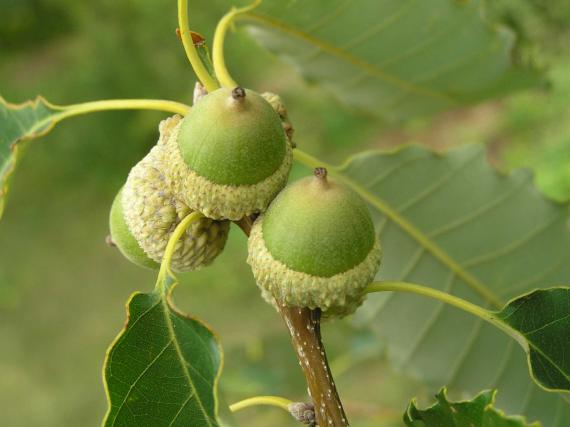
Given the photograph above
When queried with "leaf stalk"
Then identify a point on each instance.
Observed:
(276, 401)
(304, 326)
(218, 58)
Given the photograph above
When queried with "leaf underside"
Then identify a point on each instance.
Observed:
(19, 123)
(453, 223)
(542, 317)
(163, 368)
(395, 58)
(478, 412)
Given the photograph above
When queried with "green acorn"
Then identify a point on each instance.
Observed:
(146, 212)
(315, 247)
(230, 156)
(122, 237)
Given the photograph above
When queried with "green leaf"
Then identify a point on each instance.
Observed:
(20, 123)
(395, 58)
(32, 119)
(451, 222)
(538, 321)
(542, 317)
(478, 412)
(163, 369)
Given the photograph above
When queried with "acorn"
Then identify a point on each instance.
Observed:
(122, 237)
(146, 212)
(230, 156)
(315, 247)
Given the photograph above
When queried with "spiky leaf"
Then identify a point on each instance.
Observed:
(478, 412)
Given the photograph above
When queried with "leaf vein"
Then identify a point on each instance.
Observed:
(428, 191)
(506, 250)
(478, 212)
(137, 379)
(373, 71)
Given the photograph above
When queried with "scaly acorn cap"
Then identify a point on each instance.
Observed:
(279, 107)
(315, 247)
(151, 212)
(230, 156)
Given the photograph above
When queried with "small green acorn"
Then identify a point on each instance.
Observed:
(122, 237)
(315, 247)
(230, 156)
(146, 212)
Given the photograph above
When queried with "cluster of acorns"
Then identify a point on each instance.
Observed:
(313, 243)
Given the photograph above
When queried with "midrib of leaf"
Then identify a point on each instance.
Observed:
(483, 314)
(478, 286)
(46, 124)
(34, 104)
(328, 17)
(163, 304)
(382, 26)
(168, 320)
(370, 69)
(38, 129)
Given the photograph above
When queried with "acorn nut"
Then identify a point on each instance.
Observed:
(315, 247)
(146, 212)
(122, 237)
(230, 156)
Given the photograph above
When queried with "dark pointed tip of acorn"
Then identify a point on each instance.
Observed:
(110, 242)
(321, 173)
(238, 93)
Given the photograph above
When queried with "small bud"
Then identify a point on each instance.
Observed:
(303, 412)
(109, 241)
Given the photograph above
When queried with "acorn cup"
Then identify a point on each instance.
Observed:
(230, 156)
(279, 107)
(315, 247)
(146, 212)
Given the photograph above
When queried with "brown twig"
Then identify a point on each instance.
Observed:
(245, 224)
(304, 326)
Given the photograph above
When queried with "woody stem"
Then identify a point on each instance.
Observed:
(304, 326)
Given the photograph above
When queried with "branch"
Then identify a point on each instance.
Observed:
(304, 326)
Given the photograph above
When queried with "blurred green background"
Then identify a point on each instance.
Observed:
(62, 290)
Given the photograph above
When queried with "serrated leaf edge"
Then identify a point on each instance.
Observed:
(442, 395)
(7, 171)
(525, 344)
(167, 300)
